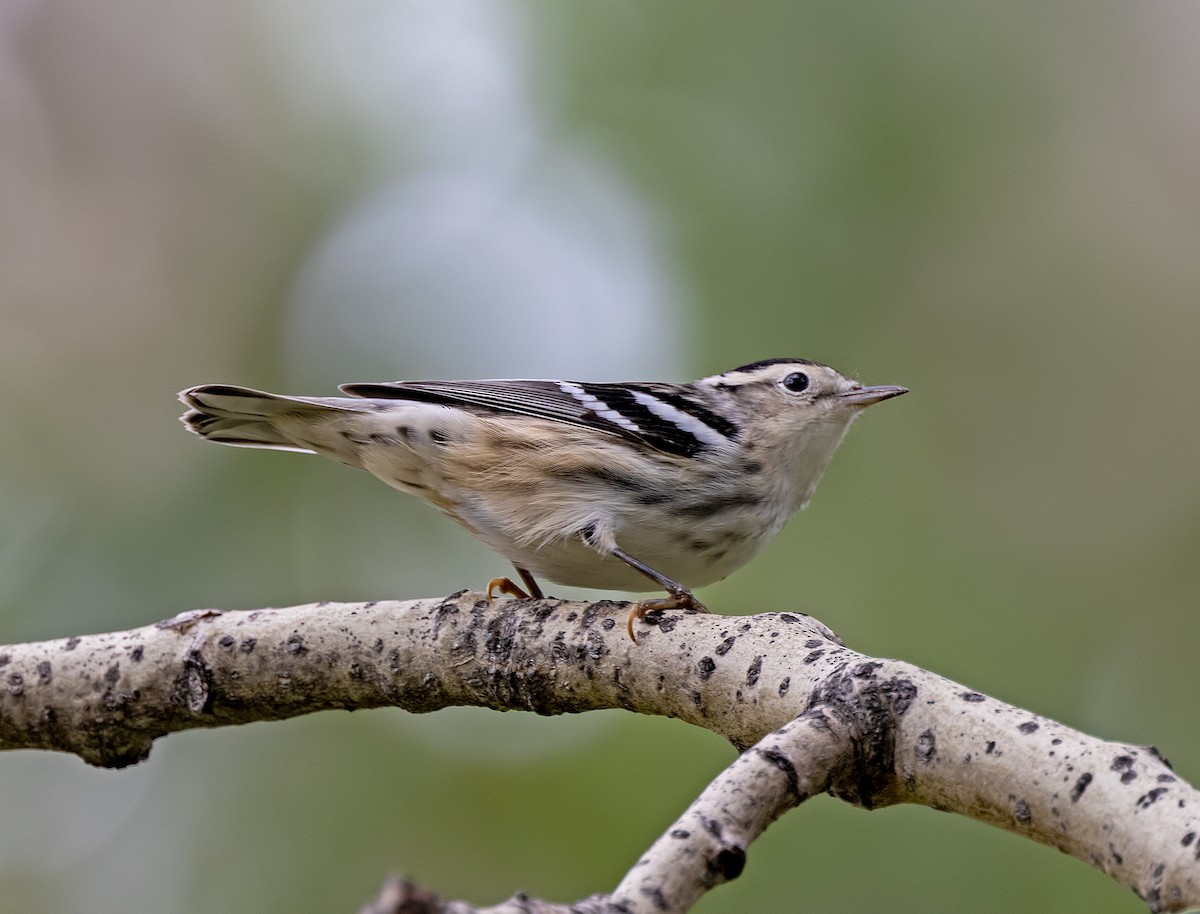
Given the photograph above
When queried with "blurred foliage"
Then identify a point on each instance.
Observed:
(994, 205)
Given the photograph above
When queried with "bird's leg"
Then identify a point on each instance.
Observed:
(507, 587)
(679, 597)
(534, 590)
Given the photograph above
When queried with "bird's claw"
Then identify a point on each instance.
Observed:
(506, 587)
(678, 599)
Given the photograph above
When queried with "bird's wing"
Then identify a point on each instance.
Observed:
(657, 415)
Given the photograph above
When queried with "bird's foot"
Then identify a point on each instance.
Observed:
(506, 587)
(676, 599)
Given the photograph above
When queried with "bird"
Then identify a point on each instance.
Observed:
(630, 486)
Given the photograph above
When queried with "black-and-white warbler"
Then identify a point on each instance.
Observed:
(627, 486)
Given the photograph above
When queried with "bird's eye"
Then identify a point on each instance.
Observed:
(796, 382)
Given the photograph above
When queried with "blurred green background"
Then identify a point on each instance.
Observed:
(997, 206)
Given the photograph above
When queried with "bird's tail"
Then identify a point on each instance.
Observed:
(242, 417)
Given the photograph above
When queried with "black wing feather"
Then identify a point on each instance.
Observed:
(542, 399)
(548, 400)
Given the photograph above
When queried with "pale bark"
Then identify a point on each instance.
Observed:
(811, 715)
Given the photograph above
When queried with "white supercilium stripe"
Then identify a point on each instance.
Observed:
(598, 406)
(703, 433)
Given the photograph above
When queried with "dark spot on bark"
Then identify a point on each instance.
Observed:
(500, 638)
(197, 683)
(1121, 763)
(666, 621)
(814, 656)
(697, 699)
(723, 648)
(785, 685)
(16, 684)
(1056, 742)
(989, 747)
(608, 624)
(113, 673)
(1080, 786)
(45, 672)
(1022, 813)
(1165, 779)
(295, 644)
(899, 693)
(784, 764)
(682, 833)
(1153, 750)
(656, 897)
(72, 643)
(356, 670)
(377, 647)
(1117, 858)
(818, 720)
(1188, 839)
(248, 645)
(739, 697)
(729, 862)
(705, 668)
(1030, 726)
(137, 653)
(973, 696)
(754, 670)
(926, 747)
(1128, 777)
(866, 670)
(814, 642)
(1146, 800)
(874, 705)
(227, 641)
(790, 618)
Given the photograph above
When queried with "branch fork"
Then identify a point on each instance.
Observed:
(808, 715)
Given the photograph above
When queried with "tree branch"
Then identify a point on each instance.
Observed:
(818, 716)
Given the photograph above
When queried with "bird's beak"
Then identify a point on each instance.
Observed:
(862, 397)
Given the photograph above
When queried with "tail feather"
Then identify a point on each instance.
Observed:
(243, 417)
